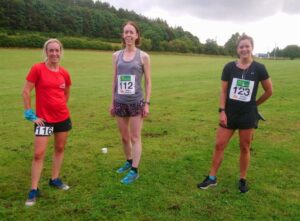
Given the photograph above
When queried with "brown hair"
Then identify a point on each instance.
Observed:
(137, 29)
(244, 37)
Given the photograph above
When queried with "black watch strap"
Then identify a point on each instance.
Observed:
(221, 109)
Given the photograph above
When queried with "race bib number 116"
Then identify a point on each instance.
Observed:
(43, 130)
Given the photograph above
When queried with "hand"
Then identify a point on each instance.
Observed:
(30, 115)
(223, 119)
(39, 121)
(111, 110)
(145, 111)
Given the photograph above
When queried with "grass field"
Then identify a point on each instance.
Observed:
(178, 140)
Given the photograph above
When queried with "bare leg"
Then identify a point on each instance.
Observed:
(123, 125)
(40, 146)
(245, 142)
(136, 124)
(58, 155)
(222, 138)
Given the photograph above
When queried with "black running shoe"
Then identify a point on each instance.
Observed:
(243, 187)
(207, 183)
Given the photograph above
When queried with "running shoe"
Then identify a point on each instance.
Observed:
(124, 168)
(207, 183)
(32, 195)
(57, 183)
(130, 177)
(243, 187)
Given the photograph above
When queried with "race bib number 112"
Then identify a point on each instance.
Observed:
(126, 84)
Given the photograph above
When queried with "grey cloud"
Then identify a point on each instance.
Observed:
(225, 10)
(291, 7)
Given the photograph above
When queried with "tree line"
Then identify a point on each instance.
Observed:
(83, 19)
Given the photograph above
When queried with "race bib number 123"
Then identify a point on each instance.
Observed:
(241, 89)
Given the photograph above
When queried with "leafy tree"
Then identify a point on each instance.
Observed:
(13, 14)
(230, 45)
(178, 45)
(93, 19)
(99, 19)
(211, 47)
(291, 51)
(164, 46)
(276, 52)
(146, 44)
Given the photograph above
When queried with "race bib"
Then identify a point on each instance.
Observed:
(126, 84)
(241, 90)
(43, 130)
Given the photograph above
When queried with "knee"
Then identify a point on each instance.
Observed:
(135, 138)
(125, 139)
(38, 156)
(220, 146)
(59, 148)
(245, 147)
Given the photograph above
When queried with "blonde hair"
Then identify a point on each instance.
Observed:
(52, 40)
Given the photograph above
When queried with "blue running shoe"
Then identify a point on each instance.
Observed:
(32, 195)
(124, 168)
(57, 183)
(130, 177)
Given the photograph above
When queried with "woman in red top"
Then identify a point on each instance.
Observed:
(52, 89)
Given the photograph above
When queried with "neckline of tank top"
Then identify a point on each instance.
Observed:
(135, 54)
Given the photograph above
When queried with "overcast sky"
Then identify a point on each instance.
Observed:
(270, 22)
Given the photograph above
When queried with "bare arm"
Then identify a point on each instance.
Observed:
(115, 55)
(224, 86)
(223, 96)
(147, 70)
(268, 91)
(111, 108)
(67, 93)
(148, 85)
(27, 101)
(26, 94)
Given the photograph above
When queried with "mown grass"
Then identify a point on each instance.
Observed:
(178, 140)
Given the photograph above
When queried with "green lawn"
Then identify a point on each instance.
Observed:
(178, 140)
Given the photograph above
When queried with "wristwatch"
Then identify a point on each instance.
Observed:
(147, 102)
(221, 109)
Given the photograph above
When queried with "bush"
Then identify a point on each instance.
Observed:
(37, 41)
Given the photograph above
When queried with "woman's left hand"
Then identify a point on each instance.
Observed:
(146, 111)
